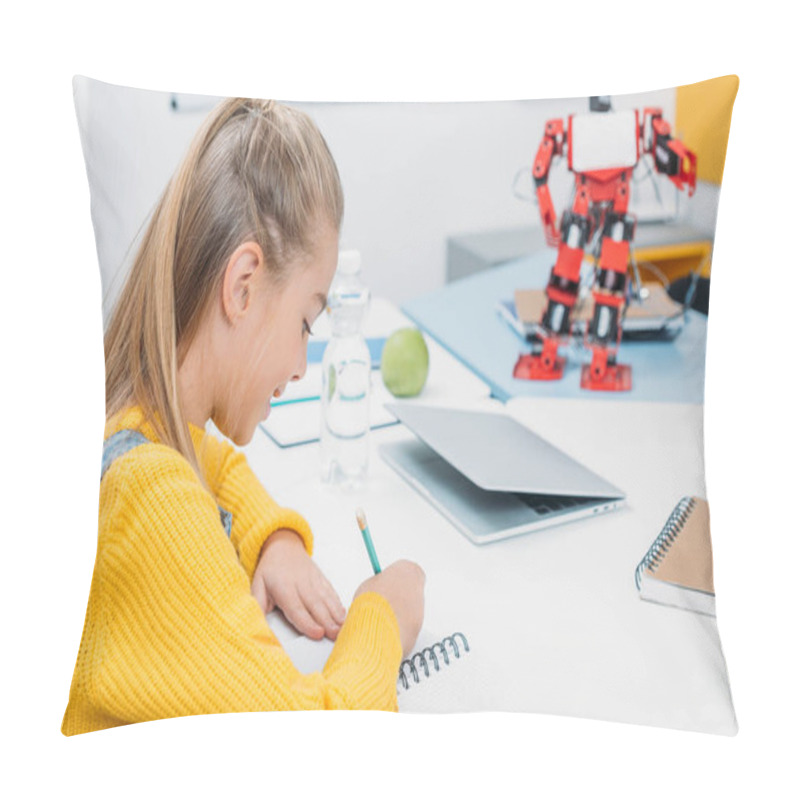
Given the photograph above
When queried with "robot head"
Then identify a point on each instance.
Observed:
(601, 102)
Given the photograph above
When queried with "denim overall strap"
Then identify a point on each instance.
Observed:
(121, 442)
(117, 445)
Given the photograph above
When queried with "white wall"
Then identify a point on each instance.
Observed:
(413, 173)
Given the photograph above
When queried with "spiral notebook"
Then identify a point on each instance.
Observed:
(437, 677)
(677, 570)
(432, 680)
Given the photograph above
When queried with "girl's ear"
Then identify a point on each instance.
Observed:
(239, 280)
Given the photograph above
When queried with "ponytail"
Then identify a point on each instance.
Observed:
(255, 169)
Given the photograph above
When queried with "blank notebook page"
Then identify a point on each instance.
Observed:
(442, 675)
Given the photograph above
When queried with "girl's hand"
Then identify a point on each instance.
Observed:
(403, 585)
(286, 577)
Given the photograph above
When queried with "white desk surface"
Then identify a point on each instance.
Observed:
(553, 618)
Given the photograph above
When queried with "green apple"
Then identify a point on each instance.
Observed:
(404, 362)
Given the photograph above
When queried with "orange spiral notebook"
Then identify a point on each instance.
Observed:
(677, 570)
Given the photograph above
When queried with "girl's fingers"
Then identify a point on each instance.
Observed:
(311, 604)
(318, 609)
(298, 615)
(259, 591)
(332, 601)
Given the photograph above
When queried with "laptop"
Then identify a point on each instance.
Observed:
(490, 475)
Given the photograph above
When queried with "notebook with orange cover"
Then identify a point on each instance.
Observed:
(677, 570)
(654, 311)
(655, 304)
(531, 305)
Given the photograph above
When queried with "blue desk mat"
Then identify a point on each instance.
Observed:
(462, 316)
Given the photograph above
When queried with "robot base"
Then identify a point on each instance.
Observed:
(532, 368)
(616, 378)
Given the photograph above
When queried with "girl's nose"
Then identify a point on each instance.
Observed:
(301, 367)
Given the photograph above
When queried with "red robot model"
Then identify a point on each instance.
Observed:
(602, 147)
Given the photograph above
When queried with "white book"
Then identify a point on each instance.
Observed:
(298, 421)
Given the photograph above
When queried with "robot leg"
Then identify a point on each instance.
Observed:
(544, 363)
(605, 329)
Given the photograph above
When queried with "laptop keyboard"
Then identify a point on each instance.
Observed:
(549, 504)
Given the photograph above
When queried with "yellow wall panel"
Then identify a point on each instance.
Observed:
(703, 120)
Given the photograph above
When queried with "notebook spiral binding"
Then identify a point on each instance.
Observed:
(427, 658)
(672, 527)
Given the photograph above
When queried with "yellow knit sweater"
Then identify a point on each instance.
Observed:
(171, 628)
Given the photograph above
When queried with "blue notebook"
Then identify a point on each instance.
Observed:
(316, 348)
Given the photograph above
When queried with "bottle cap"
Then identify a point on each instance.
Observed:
(349, 262)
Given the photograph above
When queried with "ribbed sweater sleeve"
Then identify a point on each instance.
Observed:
(255, 514)
(172, 629)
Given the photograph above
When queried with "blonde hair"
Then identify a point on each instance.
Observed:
(256, 170)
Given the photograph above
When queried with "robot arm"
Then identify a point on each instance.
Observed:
(671, 156)
(552, 145)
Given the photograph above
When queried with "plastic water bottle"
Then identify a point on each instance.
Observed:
(344, 437)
